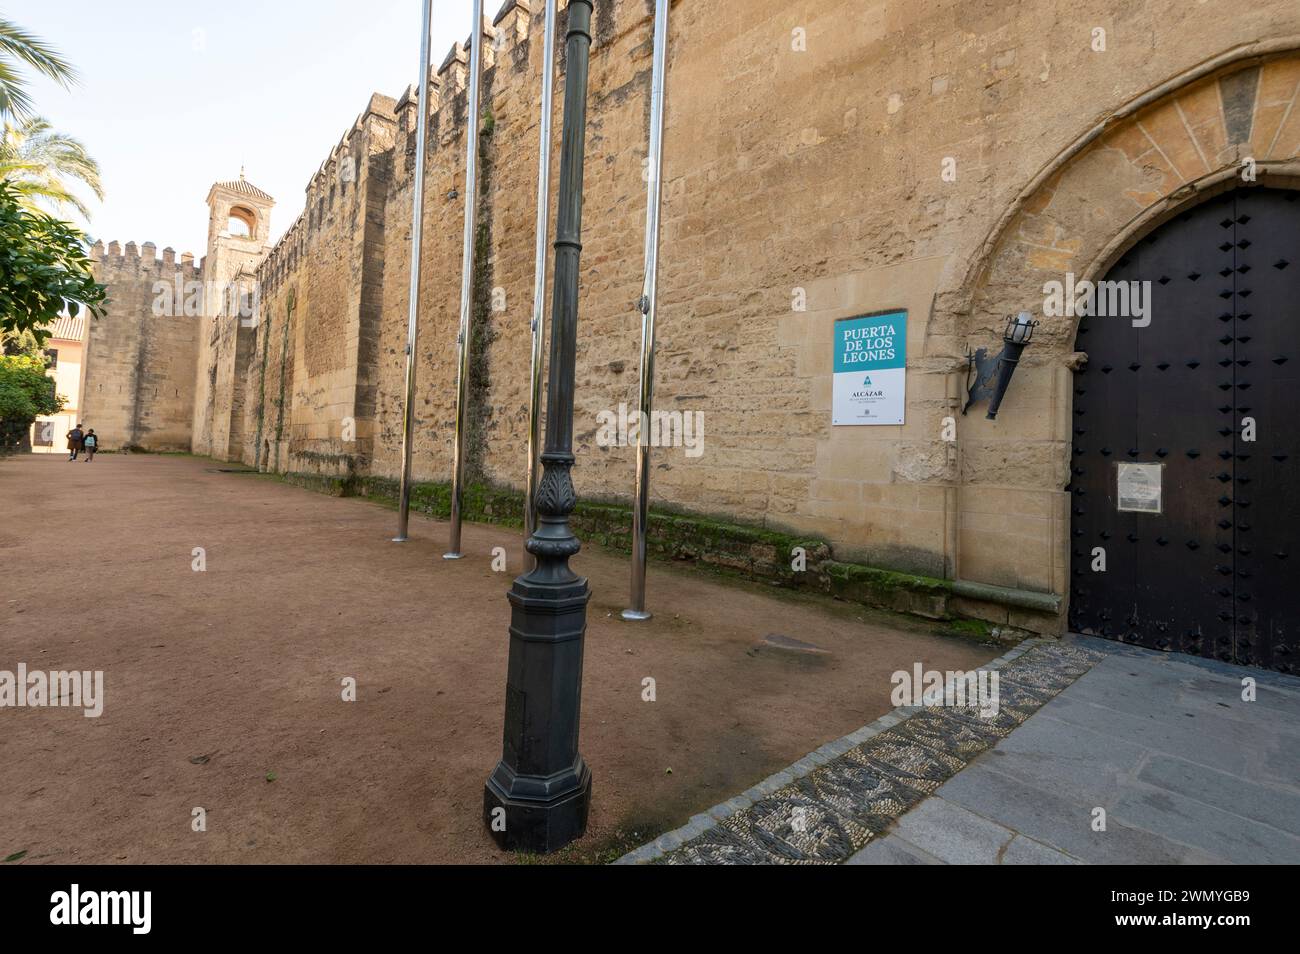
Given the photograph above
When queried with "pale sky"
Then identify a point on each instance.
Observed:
(179, 94)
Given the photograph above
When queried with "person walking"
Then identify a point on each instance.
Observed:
(75, 437)
(90, 443)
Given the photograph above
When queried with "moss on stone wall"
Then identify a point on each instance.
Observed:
(732, 549)
(478, 404)
(756, 553)
(904, 592)
(261, 389)
(322, 483)
(290, 301)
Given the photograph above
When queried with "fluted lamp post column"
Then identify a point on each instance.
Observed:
(537, 798)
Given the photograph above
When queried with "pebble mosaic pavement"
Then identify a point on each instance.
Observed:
(830, 804)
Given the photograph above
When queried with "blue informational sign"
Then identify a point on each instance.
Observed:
(870, 369)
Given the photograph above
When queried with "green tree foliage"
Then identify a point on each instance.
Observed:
(20, 342)
(25, 393)
(41, 164)
(18, 46)
(44, 268)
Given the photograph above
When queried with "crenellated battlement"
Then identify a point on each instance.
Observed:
(389, 125)
(336, 179)
(284, 257)
(351, 148)
(512, 21)
(506, 40)
(115, 262)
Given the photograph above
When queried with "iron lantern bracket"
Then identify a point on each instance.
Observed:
(981, 375)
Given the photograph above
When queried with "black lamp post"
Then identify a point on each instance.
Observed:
(538, 796)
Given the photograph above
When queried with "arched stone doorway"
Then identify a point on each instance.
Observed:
(1184, 454)
(1228, 122)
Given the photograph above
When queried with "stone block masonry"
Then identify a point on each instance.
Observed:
(139, 390)
(821, 161)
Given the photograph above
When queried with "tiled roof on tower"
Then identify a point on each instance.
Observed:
(245, 187)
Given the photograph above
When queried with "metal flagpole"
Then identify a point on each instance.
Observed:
(654, 192)
(539, 279)
(417, 228)
(467, 278)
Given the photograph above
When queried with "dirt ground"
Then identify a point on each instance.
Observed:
(223, 688)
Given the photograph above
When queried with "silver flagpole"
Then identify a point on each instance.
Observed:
(654, 192)
(539, 279)
(417, 228)
(467, 277)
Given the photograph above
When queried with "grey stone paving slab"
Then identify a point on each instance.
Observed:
(1270, 804)
(1143, 688)
(1203, 706)
(1282, 707)
(952, 834)
(1126, 688)
(1227, 750)
(1068, 760)
(1058, 822)
(1228, 836)
(1262, 677)
(1186, 771)
(1248, 745)
(1026, 851)
(891, 850)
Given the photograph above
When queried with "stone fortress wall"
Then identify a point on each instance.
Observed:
(806, 147)
(139, 385)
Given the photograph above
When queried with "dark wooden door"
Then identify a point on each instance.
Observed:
(1208, 565)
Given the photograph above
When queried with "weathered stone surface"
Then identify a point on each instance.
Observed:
(139, 367)
(802, 184)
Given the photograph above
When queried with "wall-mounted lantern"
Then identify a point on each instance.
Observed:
(993, 373)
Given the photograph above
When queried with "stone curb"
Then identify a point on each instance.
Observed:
(702, 822)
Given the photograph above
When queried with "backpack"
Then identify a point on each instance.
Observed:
(91, 440)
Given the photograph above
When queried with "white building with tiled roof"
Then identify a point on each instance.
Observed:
(66, 350)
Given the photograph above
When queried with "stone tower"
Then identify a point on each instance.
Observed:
(240, 211)
(239, 227)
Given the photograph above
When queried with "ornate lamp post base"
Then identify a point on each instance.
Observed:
(538, 825)
(542, 782)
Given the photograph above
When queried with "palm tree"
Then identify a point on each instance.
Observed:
(16, 44)
(38, 162)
